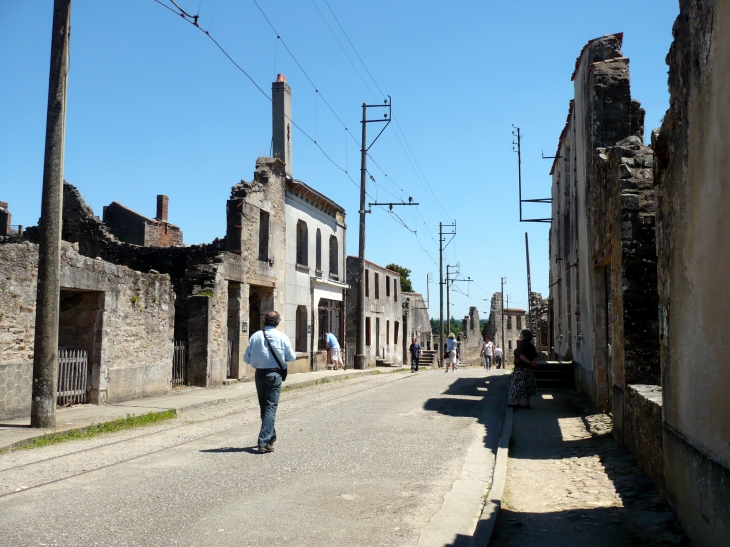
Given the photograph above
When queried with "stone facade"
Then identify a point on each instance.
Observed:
(471, 338)
(131, 227)
(416, 323)
(383, 314)
(123, 318)
(6, 219)
(691, 177)
(602, 262)
(504, 326)
(315, 273)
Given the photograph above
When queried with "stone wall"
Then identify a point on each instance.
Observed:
(641, 425)
(416, 323)
(471, 338)
(122, 317)
(382, 307)
(691, 177)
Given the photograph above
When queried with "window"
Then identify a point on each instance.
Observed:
(367, 332)
(387, 286)
(509, 322)
(334, 256)
(301, 326)
(367, 283)
(519, 322)
(387, 333)
(377, 286)
(263, 235)
(510, 344)
(302, 250)
(395, 290)
(395, 332)
(318, 251)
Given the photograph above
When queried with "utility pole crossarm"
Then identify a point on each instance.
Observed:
(517, 147)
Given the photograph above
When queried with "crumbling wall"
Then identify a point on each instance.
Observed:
(691, 177)
(472, 345)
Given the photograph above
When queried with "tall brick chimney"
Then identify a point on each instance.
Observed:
(162, 202)
(281, 124)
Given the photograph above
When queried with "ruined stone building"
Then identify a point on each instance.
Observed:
(692, 183)
(471, 337)
(504, 326)
(133, 302)
(383, 315)
(315, 272)
(121, 319)
(416, 323)
(131, 227)
(6, 219)
(602, 242)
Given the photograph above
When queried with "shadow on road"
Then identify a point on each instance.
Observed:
(225, 449)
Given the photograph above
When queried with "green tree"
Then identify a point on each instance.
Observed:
(405, 279)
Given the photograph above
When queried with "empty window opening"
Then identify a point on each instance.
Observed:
(367, 283)
(302, 250)
(301, 328)
(377, 286)
(368, 339)
(318, 249)
(334, 257)
(387, 286)
(263, 235)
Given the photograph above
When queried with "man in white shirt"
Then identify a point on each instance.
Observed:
(259, 354)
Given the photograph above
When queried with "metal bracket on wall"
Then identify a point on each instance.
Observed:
(517, 147)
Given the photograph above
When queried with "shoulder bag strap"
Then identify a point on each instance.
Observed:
(271, 348)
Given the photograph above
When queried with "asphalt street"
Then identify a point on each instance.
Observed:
(388, 460)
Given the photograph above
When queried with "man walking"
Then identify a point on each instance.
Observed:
(416, 353)
(488, 353)
(336, 355)
(268, 351)
(498, 357)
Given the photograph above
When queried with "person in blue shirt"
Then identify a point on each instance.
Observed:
(268, 375)
(451, 349)
(334, 346)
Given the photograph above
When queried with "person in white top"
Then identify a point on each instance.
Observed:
(498, 357)
(488, 353)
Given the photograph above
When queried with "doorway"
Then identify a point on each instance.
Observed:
(377, 336)
(260, 301)
(234, 329)
(79, 344)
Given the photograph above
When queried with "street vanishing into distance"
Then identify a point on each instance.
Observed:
(391, 459)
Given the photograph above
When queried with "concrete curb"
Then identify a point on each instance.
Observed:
(493, 503)
(181, 409)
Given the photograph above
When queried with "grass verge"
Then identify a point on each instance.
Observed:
(93, 430)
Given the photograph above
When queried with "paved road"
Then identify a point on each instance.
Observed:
(392, 460)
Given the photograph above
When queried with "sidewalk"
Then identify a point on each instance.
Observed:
(18, 431)
(570, 484)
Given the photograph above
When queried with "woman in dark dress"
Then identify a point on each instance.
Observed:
(523, 377)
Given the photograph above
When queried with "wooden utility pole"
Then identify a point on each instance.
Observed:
(360, 357)
(45, 352)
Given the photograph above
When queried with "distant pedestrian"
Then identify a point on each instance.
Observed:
(498, 357)
(451, 352)
(336, 353)
(268, 351)
(523, 378)
(488, 353)
(416, 352)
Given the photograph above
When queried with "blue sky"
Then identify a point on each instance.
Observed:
(155, 108)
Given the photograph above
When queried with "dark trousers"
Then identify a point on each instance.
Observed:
(268, 388)
(414, 363)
